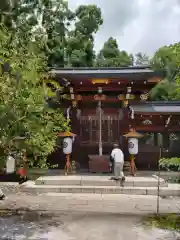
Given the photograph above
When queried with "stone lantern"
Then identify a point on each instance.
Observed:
(133, 137)
(11, 159)
(68, 139)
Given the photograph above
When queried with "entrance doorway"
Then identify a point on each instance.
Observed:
(114, 123)
(90, 129)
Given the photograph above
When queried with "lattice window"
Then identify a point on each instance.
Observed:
(173, 137)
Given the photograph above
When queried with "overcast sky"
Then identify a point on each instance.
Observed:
(138, 25)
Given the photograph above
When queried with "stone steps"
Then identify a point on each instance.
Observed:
(99, 181)
(81, 184)
(170, 190)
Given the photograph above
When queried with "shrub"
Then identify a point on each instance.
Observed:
(172, 164)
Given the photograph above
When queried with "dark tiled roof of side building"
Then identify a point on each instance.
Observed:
(165, 107)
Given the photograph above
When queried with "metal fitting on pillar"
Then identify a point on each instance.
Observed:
(128, 93)
(100, 90)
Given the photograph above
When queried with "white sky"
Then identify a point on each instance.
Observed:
(138, 25)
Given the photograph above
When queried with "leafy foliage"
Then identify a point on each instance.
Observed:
(68, 36)
(142, 59)
(111, 56)
(80, 41)
(163, 91)
(165, 58)
(170, 163)
(168, 58)
(170, 222)
(26, 121)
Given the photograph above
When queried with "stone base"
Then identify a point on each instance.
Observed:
(85, 180)
(30, 187)
(100, 185)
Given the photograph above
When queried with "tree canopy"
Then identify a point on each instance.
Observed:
(36, 35)
(142, 59)
(80, 41)
(167, 58)
(110, 55)
(68, 35)
(26, 121)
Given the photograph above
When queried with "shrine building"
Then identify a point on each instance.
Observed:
(106, 103)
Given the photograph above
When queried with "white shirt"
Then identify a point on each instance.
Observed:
(117, 155)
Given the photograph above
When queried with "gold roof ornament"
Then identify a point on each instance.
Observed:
(133, 134)
(66, 134)
(100, 81)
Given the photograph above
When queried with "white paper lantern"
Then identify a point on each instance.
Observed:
(67, 145)
(10, 165)
(133, 146)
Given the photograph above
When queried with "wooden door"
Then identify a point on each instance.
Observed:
(89, 132)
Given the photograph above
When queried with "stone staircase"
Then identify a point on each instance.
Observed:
(100, 185)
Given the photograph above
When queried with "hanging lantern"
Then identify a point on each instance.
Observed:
(133, 142)
(68, 139)
(67, 145)
(133, 148)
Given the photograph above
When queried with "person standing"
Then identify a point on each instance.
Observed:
(118, 157)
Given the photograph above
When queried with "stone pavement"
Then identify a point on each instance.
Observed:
(90, 203)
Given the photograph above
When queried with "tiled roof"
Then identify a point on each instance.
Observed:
(135, 73)
(158, 107)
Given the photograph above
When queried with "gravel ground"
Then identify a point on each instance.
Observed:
(81, 226)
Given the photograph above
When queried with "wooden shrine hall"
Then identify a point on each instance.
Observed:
(104, 104)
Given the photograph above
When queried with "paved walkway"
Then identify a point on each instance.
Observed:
(120, 204)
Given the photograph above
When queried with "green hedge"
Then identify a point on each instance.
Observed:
(172, 164)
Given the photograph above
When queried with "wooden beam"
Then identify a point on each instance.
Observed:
(157, 113)
(111, 87)
(154, 80)
(93, 98)
(152, 128)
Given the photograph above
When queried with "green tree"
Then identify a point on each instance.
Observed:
(65, 47)
(163, 91)
(111, 56)
(141, 59)
(47, 20)
(167, 58)
(15, 14)
(23, 111)
(176, 49)
(54, 18)
(80, 42)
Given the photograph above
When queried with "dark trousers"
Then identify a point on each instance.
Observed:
(112, 164)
